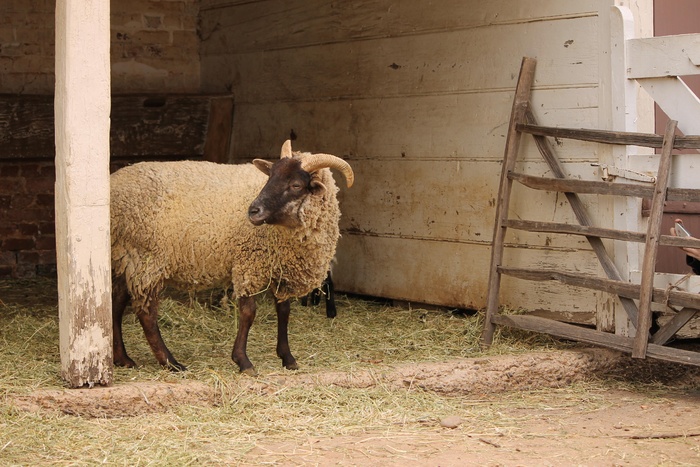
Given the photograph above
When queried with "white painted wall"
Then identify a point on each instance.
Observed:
(417, 96)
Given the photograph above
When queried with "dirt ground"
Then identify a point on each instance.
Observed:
(632, 431)
(622, 428)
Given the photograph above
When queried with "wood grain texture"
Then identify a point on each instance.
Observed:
(417, 99)
(239, 26)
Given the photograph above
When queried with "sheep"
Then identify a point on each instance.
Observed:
(327, 289)
(196, 225)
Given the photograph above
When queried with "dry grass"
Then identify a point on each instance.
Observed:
(365, 334)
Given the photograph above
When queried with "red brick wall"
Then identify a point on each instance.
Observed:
(154, 48)
(27, 229)
(27, 242)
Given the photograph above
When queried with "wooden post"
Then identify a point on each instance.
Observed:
(82, 107)
(641, 340)
(521, 103)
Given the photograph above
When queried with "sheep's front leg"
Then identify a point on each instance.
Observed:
(149, 322)
(246, 316)
(288, 360)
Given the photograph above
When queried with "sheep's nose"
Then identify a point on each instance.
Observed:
(255, 214)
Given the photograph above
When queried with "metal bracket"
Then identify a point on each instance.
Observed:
(609, 173)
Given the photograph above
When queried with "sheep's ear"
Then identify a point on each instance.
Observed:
(263, 166)
(316, 185)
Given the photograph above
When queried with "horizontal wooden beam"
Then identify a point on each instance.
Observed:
(585, 230)
(653, 57)
(649, 140)
(595, 187)
(590, 336)
(568, 185)
(142, 126)
(620, 288)
(589, 231)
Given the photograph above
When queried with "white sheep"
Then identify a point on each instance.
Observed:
(197, 225)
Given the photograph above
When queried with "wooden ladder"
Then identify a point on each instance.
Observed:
(522, 120)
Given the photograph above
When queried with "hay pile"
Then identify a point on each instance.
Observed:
(366, 333)
(211, 414)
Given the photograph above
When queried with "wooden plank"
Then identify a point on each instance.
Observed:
(656, 57)
(219, 129)
(380, 129)
(453, 202)
(239, 26)
(691, 195)
(677, 101)
(602, 188)
(82, 193)
(621, 288)
(521, 101)
(566, 331)
(611, 137)
(534, 226)
(623, 235)
(624, 289)
(652, 243)
(431, 272)
(668, 330)
(582, 186)
(580, 334)
(434, 272)
(418, 65)
(143, 126)
(153, 126)
(670, 240)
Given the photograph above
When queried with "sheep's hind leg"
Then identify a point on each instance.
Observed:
(120, 299)
(329, 290)
(288, 360)
(149, 322)
(246, 316)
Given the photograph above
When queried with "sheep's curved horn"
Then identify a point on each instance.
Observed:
(286, 149)
(316, 162)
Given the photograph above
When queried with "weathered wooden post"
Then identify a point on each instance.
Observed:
(82, 107)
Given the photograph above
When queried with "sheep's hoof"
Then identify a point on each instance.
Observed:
(289, 362)
(125, 362)
(175, 367)
(250, 371)
(291, 365)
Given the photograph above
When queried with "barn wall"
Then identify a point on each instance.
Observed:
(154, 48)
(417, 95)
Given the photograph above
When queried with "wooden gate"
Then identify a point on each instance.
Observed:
(643, 344)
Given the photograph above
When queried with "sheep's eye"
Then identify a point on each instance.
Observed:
(296, 186)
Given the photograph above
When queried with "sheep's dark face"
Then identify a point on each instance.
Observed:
(279, 201)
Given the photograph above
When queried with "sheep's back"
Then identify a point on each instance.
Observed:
(177, 221)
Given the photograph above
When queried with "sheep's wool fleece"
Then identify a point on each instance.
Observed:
(186, 224)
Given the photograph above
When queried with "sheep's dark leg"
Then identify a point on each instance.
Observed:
(120, 299)
(149, 322)
(315, 296)
(329, 290)
(288, 360)
(246, 316)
